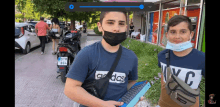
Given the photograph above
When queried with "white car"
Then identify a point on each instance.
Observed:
(25, 37)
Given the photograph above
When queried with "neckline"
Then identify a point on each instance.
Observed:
(106, 50)
(192, 51)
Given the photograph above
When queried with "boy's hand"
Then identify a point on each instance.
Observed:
(142, 98)
(111, 103)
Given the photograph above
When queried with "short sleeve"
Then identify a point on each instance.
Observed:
(158, 60)
(159, 63)
(133, 75)
(79, 68)
(36, 26)
(47, 26)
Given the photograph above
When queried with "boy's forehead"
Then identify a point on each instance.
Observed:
(115, 16)
(180, 26)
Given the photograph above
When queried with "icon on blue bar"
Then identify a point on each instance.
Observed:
(71, 6)
(141, 6)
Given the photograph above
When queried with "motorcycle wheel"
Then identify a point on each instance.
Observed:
(63, 77)
(63, 74)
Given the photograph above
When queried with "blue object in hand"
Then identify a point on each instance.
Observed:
(133, 95)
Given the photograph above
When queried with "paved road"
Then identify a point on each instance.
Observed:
(35, 78)
(18, 53)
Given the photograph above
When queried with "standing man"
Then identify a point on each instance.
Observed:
(84, 27)
(113, 26)
(186, 63)
(41, 31)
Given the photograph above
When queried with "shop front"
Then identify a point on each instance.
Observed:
(157, 20)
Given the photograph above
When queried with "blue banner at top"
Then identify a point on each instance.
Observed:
(109, 6)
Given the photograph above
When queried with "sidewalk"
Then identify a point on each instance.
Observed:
(35, 79)
(90, 32)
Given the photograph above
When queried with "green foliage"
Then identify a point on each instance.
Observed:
(20, 5)
(92, 23)
(19, 15)
(28, 10)
(202, 91)
(18, 20)
(97, 31)
(56, 8)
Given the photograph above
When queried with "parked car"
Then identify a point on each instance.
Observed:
(25, 37)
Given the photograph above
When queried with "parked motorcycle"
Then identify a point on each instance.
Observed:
(67, 50)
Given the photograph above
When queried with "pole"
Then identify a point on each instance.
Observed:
(159, 23)
(147, 26)
(185, 11)
(180, 7)
(128, 14)
(199, 25)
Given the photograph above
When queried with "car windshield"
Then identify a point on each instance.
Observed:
(34, 23)
(17, 31)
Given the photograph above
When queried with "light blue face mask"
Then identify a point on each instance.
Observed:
(180, 46)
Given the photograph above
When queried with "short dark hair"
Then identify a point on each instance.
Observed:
(41, 18)
(103, 13)
(175, 20)
(55, 20)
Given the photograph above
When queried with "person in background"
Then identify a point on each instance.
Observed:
(84, 27)
(41, 31)
(55, 28)
(131, 28)
(138, 36)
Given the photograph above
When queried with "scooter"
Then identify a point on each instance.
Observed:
(67, 50)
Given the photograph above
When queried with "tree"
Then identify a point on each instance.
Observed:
(20, 6)
(56, 8)
(28, 10)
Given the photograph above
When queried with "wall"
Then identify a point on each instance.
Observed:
(136, 22)
(166, 15)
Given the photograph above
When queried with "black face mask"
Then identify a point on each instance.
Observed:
(114, 39)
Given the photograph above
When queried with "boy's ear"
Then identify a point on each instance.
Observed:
(99, 26)
(166, 35)
(192, 34)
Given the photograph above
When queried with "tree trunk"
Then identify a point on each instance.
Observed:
(128, 26)
(72, 26)
(66, 21)
(23, 17)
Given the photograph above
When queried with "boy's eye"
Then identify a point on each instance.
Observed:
(121, 24)
(172, 32)
(183, 32)
(110, 23)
